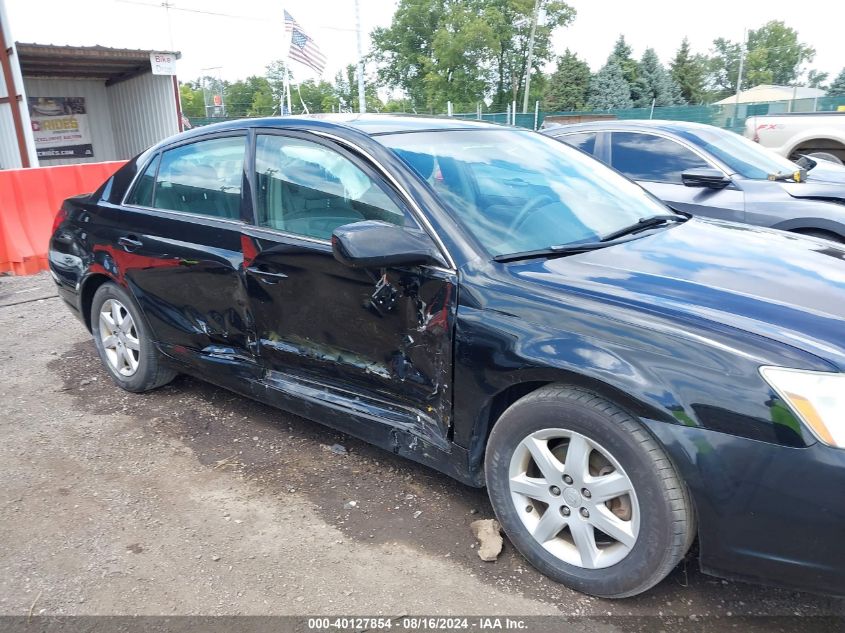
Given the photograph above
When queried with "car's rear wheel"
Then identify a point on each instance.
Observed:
(123, 341)
(586, 494)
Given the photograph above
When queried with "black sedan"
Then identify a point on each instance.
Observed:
(711, 172)
(503, 308)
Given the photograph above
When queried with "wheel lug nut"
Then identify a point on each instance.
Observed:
(565, 511)
(554, 490)
(529, 508)
(567, 480)
(585, 513)
(586, 493)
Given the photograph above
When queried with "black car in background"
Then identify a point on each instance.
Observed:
(711, 172)
(501, 307)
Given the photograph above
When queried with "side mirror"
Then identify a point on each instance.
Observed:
(375, 244)
(710, 178)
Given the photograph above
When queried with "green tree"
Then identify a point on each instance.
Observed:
(458, 71)
(318, 96)
(689, 72)
(567, 86)
(240, 95)
(404, 50)
(346, 91)
(625, 56)
(511, 22)
(465, 50)
(837, 88)
(723, 67)
(398, 105)
(816, 79)
(609, 90)
(275, 74)
(193, 104)
(654, 84)
(264, 102)
(775, 55)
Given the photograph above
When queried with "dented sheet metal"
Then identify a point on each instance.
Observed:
(384, 334)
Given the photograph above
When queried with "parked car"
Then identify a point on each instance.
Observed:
(501, 307)
(707, 171)
(819, 135)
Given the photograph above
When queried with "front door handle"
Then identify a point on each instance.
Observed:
(130, 243)
(266, 275)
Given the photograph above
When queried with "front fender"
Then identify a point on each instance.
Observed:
(830, 225)
(674, 379)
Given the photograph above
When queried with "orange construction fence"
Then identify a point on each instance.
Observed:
(29, 202)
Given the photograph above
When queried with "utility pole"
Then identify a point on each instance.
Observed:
(362, 99)
(739, 75)
(530, 59)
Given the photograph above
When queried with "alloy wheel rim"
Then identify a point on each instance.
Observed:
(574, 498)
(119, 337)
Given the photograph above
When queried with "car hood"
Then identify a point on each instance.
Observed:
(815, 189)
(786, 287)
(826, 171)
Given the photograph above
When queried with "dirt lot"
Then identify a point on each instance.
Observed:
(191, 500)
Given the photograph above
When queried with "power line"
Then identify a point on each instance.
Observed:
(170, 6)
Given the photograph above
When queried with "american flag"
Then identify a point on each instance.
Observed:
(303, 48)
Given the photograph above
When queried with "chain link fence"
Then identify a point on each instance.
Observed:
(730, 116)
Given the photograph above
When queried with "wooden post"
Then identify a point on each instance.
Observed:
(13, 98)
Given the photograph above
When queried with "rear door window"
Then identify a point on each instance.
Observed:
(204, 178)
(652, 158)
(142, 194)
(585, 141)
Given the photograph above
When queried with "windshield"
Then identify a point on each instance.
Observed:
(520, 191)
(746, 158)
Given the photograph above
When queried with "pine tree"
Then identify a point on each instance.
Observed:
(653, 82)
(568, 85)
(608, 88)
(624, 55)
(689, 72)
(837, 88)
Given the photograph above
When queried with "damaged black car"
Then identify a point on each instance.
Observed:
(624, 379)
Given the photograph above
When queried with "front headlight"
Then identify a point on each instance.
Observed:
(816, 397)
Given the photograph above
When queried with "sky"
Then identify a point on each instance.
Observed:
(248, 34)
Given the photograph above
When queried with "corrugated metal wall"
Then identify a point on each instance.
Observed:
(124, 118)
(97, 107)
(143, 112)
(10, 157)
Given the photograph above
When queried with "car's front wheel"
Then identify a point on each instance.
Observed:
(123, 341)
(586, 494)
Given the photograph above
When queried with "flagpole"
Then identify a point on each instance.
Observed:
(286, 84)
(362, 97)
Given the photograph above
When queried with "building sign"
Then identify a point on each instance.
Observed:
(163, 63)
(60, 127)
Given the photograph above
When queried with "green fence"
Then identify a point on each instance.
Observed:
(729, 116)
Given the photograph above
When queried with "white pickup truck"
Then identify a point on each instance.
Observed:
(814, 134)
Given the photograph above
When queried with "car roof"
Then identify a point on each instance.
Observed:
(370, 124)
(629, 124)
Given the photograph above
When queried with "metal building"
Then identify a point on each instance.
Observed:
(63, 105)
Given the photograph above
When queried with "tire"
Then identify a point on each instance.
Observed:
(653, 523)
(123, 341)
(833, 158)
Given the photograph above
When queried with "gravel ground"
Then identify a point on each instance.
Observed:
(192, 500)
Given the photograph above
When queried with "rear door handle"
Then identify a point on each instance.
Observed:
(130, 243)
